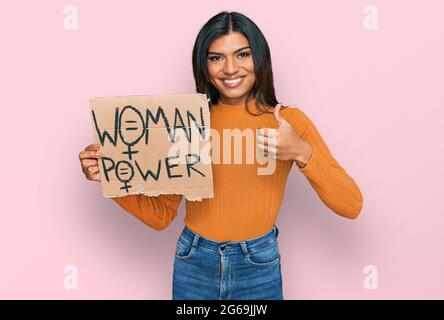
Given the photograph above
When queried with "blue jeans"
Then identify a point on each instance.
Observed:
(245, 270)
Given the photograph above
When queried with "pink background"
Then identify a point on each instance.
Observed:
(376, 96)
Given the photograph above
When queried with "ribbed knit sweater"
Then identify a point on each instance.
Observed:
(246, 204)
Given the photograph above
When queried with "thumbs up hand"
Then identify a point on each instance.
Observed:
(283, 143)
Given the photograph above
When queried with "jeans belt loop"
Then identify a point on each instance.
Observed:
(244, 248)
(195, 240)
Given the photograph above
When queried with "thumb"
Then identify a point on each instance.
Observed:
(277, 115)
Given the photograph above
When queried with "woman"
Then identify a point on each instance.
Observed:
(228, 248)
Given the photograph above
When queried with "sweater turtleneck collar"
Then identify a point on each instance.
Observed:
(251, 104)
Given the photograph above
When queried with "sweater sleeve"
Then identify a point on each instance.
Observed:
(337, 190)
(155, 211)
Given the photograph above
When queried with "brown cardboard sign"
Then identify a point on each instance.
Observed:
(152, 145)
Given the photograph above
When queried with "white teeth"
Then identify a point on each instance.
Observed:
(233, 81)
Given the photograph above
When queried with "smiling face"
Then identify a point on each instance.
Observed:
(231, 67)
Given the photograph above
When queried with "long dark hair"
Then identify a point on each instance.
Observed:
(220, 25)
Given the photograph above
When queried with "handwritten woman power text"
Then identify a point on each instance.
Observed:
(131, 131)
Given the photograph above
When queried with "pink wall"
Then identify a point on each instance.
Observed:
(376, 96)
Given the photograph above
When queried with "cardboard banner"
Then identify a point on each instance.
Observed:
(152, 145)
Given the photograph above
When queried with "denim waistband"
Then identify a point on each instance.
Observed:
(229, 246)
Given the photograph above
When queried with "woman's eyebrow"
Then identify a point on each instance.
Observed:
(247, 47)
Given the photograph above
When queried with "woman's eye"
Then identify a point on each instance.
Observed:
(217, 58)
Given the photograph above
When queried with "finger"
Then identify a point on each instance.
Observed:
(284, 123)
(266, 150)
(89, 162)
(92, 147)
(94, 177)
(97, 178)
(87, 169)
(261, 148)
(272, 153)
(277, 114)
(89, 155)
(91, 171)
(267, 132)
(267, 141)
(265, 147)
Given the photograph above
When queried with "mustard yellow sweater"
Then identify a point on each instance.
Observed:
(245, 204)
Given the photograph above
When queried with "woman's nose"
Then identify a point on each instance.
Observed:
(230, 66)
